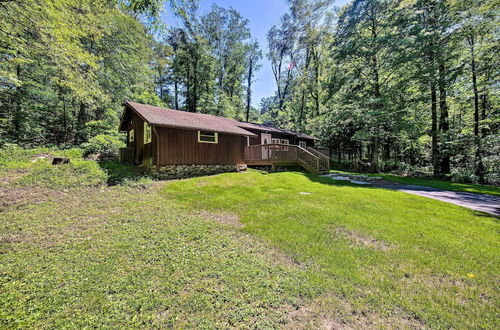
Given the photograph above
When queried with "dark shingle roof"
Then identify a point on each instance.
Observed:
(271, 129)
(183, 119)
(199, 121)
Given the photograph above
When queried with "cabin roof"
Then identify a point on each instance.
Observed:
(186, 120)
(199, 121)
(272, 129)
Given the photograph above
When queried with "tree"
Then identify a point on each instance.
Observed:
(254, 54)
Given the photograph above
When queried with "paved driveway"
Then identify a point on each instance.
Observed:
(480, 202)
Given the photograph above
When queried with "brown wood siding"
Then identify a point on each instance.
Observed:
(181, 147)
(309, 143)
(142, 152)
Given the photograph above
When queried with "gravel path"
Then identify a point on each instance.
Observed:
(480, 202)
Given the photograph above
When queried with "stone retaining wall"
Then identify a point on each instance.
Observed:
(186, 171)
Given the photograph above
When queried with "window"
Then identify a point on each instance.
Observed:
(275, 141)
(284, 141)
(303, 144)
(208, 137)
(131, 136)
(147, 133)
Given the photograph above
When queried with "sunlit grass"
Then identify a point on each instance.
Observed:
(381, 249)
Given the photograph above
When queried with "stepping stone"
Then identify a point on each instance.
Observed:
(304, 193)
(340, 178)
(359, 176)
(360, 182)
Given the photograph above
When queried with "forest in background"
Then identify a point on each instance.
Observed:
(409, 86)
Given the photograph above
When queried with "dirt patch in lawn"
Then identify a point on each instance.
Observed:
(16, 197)
(333, 312)
(222, 217)
(11, 176)
(42, 156)
(358, 239)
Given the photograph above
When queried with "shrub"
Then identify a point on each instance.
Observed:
(344, 165)
(463, 175)
(124, 174)
(103, 144)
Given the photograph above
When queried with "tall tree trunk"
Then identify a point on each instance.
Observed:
(444, 124)
(470, 40)
(176, 94)
(195, 86)
(434, 128)
(378, 107)
(484, 98)
(81, 118)
(302, 107)
(17, 113)
(376, 94)
(479, 159)
(249, 89)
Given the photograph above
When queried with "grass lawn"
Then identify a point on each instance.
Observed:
(393, 258)
(235, 250)
(440, 184)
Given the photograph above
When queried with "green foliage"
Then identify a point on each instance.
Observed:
(103, 144)
(126, 175)
(211, 58)
(402, 85)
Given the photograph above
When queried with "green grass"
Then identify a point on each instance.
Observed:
(250, 249)
(123, 257)
(386, 253)
(441, 184)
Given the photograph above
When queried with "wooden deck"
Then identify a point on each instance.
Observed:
(287, 155)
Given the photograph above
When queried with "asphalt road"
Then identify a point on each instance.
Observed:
(479, 202)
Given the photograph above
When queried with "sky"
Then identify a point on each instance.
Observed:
(262, 15)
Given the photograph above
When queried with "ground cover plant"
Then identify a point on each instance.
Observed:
(234, 250)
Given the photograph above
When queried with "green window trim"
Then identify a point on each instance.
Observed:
(208, 137)
(147, 133)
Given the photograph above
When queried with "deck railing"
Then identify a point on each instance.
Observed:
(324, 160)
(276, 154)
(271, 153)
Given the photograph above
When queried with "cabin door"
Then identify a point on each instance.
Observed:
(265, 139)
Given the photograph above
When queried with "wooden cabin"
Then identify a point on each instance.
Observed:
(166, 138)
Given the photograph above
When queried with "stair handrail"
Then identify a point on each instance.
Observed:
(322, 156)
(313, 160)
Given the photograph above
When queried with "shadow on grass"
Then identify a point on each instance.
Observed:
(119, 173)
(492, 202)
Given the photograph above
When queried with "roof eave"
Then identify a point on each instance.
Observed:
(193, 128)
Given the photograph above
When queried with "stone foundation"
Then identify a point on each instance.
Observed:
(186, 171)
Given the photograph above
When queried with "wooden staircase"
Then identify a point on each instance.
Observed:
(287, 155)
(313, 161)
